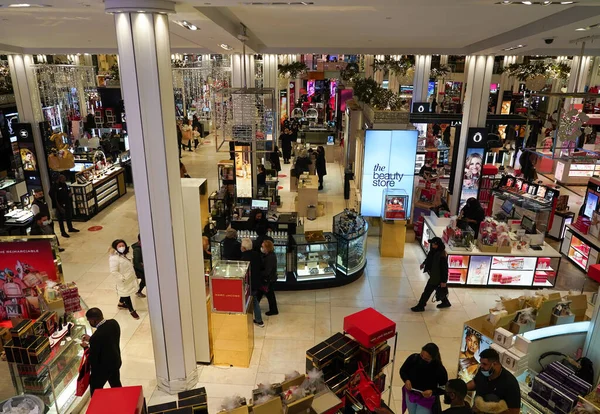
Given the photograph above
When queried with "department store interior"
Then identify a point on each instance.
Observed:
(393, 190)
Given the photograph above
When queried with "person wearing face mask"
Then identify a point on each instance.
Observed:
(42, 226)
(497, 389)
(436, 265)
(423, 375)
(39, 206)
(454, 396)
(121, 268)
(269, 276)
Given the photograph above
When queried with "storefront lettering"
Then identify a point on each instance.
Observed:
(381, 178)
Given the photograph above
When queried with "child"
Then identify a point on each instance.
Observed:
(196, 137)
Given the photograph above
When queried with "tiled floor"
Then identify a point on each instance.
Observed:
(306, 318)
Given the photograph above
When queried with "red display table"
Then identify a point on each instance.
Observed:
(124, 400)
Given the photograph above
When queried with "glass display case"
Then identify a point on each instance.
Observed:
(315, 255)
(350, 229)
(230, 286)
(280, 241)
(55, 379)
(394, 206)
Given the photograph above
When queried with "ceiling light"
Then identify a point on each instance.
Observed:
(546, 3)
(19, 5)
(567, 2)
(506, 2)
(527, 3)
(582, 29)
(226, 47)
(514, 47)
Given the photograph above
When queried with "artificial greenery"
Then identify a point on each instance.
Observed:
(114, 73)
(292, 70)
(440, 73)
(397, 67)
(349, 73)
(369, 92)
(525, 71)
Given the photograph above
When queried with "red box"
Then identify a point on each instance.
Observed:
(594, 272)
(369, 327)
(123, 400)
(229, 295)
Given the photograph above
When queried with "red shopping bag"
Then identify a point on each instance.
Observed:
(361, 384)
(83, 380)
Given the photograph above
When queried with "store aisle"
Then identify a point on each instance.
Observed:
(389, 285)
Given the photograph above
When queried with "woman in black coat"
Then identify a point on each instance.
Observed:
(436, 265)
(231, 245)
(269, 276)
(286, 145)
(321, 165)
(274, 159)
(426, 373)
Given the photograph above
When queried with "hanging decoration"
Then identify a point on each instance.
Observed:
(399, 67)
(349, 73)
(370, 92)
(292, 70)
(5, 80)
(525, 71)
(440, 73)
(570, 125)
(58, 83)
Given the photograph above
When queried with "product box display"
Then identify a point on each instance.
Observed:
(369, 327)
(395, 205)
(503, 337)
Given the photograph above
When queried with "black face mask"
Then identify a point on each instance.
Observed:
(447, 399)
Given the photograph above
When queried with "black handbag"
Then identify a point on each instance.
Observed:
(441, 293)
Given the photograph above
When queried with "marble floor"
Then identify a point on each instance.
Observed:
(389, 285)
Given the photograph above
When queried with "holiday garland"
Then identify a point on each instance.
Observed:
(292, 70)
(525, 71)
(398, 67)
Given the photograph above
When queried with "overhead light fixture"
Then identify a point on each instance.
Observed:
(582, 29)
(567, 2)
(506, 2)
(546, 3)
(514, 47)
(19, 5)
(225, 46)
(186, 24)
(531, 2)
(527, 3)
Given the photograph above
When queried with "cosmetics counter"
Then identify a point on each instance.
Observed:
(94, 191)
(470, 266)
(314, 259)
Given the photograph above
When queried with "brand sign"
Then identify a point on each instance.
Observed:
(228, 295)
(389, 163)
(23, 131)
(476, 142)
(420, 107)
(477, 138)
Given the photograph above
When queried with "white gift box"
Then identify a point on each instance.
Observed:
(503, 337)
(522, 343)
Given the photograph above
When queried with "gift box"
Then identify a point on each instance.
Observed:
(347, 354)
(369, 327)
(579, 306)
(21, 333)
(500, 349)
(503, 337)
(320, 356)
(338, 383)
(13, 354)
(70, 296)
(522, 343)
(39, 350)
(326, 403)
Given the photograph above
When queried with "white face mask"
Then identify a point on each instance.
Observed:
(121, 249)
(263, 251)
(46, 222)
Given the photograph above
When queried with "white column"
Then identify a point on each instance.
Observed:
(144, 54)
(594, 75)
(478, 79)
(237, 71)
(504, 81)
(29, 105)
(421, 79)
(369, 59)
(270, 74)
(577, 79)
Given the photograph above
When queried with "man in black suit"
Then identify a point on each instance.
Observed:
(104, 351)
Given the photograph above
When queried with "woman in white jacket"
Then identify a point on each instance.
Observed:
(121, 268)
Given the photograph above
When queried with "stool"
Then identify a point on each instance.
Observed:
(594, 272)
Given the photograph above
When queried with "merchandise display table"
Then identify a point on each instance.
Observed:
(95, 195)
(519, 268)
(581, 249)
(308, 194)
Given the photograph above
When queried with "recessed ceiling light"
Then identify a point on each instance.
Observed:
(514, 47)
(225, 46)
(567, 2)
(506, 2)
(546, 3)
(388, 18)
(582, 29)
(527, 3)
(19, 5)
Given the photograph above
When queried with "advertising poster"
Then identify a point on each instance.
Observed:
(28, 158)
(479, 269)
(471, 175)
(23, 266)
(389, 163)
(473, 343)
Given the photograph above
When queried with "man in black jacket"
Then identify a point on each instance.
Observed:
(138, 266)
(39, 206)
(256, 282)
(104, 351)
(62, 201)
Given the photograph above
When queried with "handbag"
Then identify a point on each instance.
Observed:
(441, 293)
(361, 385)
(83, 380)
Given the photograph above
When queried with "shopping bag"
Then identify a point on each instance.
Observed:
(83, 380)
(361, 385)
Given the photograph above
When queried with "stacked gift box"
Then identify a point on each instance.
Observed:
(188, 402)
(512, 351)
(558, 388)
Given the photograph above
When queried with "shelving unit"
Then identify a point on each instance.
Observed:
(315, 260)
(92, 197)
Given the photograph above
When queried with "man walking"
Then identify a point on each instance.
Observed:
(138, 266)
(62, 201)
(104, 352)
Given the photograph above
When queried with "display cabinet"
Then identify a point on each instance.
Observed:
(95, 191)
(315, 257)
(281, 251)
(394, 206)
(230, 286)
(350, 229)
(84, 202)
(55, 379)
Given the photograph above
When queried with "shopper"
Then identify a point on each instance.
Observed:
(426, 168)
(183, 171)
(42, 226)
(179, 136)
(321, 165)
(274, 159)
(436, 265)
(302, 163)
(423, 375)
(104, 350)
(473, 214)
(206, 248)
(497, 389)
(286, 145)
(261, 235)
(257, 217)
(269, 276)
(197, 137)
(454, 396)
(138, 266)
(231, 245)
(39, 205)
(256, 282)
(121, 268)
(62, 201)
(261, 177)
(186, 134)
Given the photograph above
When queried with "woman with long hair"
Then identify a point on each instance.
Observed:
(121, 269)
(423, 375)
